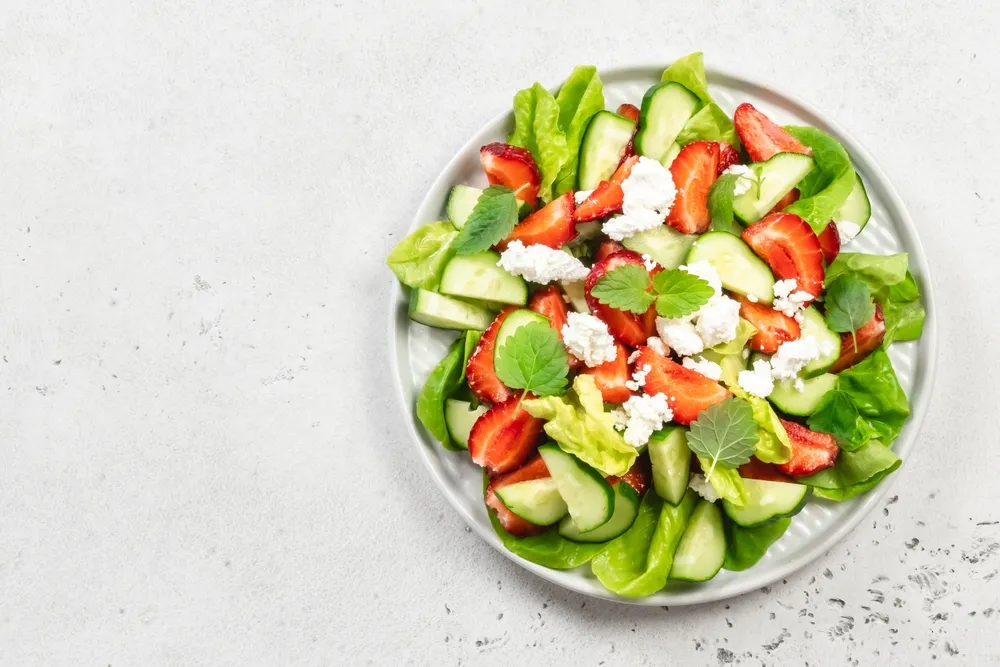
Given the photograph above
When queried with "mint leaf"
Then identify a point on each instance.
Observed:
(724, 434)
(720, 203)
(533, 358)
(625, 288)
(680, 293)
(491, 220)
(849, 305)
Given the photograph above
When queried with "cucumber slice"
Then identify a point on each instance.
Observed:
(536, 500)
(664, 244)
(856, 208)
(803, 403)
(590, 499)
(702, 549)
(477, 276)
(626, 510)
(461, 200)
(666, 108)
(602, 148)
(739, 268)
(443, 312)
(671, 462)
(767, 501)
(777, 177)
(460, 417)
(814, 325)
(577, 296)
(511, 324)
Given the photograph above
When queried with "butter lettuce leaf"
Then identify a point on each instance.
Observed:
(825, 188)
(854, 472)
(418, 260)
(710, 123)
(877, 271)
(726, 482)
(746, 546)
(892, 285)
(581, 96)
(536, 128)
(581, 427)
(773, 445)
(744, 332)
(442, 382)
(872, 387)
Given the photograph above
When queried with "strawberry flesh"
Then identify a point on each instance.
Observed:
(607, 248)
(786, 201)
(811, 451)
(551, 225)
(549, 301)
(629, 328)
(768, 472)
(688, 392)
(504, 436)
(773, 327)
(789, 246)
(512, 523)
(513, 167)
(762, 138)
(637, 477)
(728, 156)
(629, 111)
(694, 170)
(479, 372)
(829, 242)
(611, 376)
(608, 196)
(869, 337)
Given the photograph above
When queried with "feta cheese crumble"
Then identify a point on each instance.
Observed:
(638, 380)
(709, 369)
(752, 298)
(718, 320)
(700, 485)
(657, 345)
(758, 381)
(649, 262)
(649, 193)
(621, 419)
(847, 230)
(680, 334)
(588, 339)
(747, 178)
(581, 196)
(541, 264)
(632, 358)
(794, 355)
(789, 300)
(645, 415)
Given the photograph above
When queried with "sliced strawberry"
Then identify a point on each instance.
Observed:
(606, 248)
(761, 137)
(611, 376)
(688, 392)
(789, 246)
(629, 328)
(607, 197)
(629, 111)
(728, 156)
(551, 226)
(549, 301)
(869, 337)
(757, 469)
(786, 201)
(512, 523)
(829, 242)
(811, 451)
(624, 170)
(637, 477)
(694, 170)
(504, 436)
(479, 372)
(514, 167)
(773, 327)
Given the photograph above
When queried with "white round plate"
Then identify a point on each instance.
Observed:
(416, 349)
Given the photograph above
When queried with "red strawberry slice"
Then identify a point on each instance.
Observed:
(607, 248)
(786, 201)
(789, 246)
(728, 156)
(611, 376)
(629, 328)
(514, 167)
(607, 198)
(694, 170)
(504, 436)
(773, 327)
(551, 226)
(549, 301)
(629, 111)
(829, 242)
(512, 523)
(757, 469)
(811, 451)
(479, 372)
(869, 337)
(688, 392)
(637, 477)
(761, 137)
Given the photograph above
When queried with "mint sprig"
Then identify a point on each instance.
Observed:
(492, 219)
(680, 293)
(533, 358)
(625, 288)
(676, 293)
(725, 434)
(849, 305)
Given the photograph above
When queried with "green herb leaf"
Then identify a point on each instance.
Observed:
(491, 220)
(849, 305)
(625, 288)
(533, 358)
(680, 293)
(725, 434)
(419, 259)
(838, 415)
(720, 202)
(824, 190)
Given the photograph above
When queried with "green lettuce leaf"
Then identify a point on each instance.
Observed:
(746, 546)
(418, 260)
(710, 123)
(442, 382)
(877, 271)
(903, 312)
(744, 332)
(583, 428)
(579, 98)
(774, 445)
(824, 190)
(638, 562)
(536, 128)
(854, 472)
(873, 388)
(838, 416)
(726, 482)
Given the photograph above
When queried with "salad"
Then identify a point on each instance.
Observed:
(666, 347)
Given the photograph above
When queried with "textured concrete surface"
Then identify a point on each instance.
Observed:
(202, 462)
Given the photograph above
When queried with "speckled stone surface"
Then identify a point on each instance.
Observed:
(203, 462)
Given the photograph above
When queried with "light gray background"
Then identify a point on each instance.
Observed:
(203, 461)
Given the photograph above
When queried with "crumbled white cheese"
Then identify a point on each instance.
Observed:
(709, 369)
(680, 334)
(621, 419)
(622, 227)
(847, 230)
(648, 191)
(700, 485)
(752, 298)
(747, 178)
(794, 355)
(541, 264)
(718, 320)
(638, 380)
(706, 272)
(758, 381)
(588, 339)
(581, 196)
(656, 345)
(790, 301)
(649, 262)
(746, 353)
(632, 358)
(646, 414)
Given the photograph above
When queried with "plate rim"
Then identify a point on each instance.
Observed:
(924, 377)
